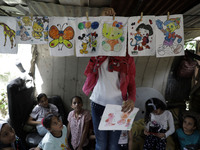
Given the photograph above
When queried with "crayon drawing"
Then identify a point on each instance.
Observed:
(7, 34)
(113, 38)
(114, 119)
(87, 37)
(32, 30)
(169, 36)
(141, 36)
(61, 36)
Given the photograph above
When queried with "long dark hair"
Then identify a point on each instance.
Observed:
(40, 96)
(151, 105)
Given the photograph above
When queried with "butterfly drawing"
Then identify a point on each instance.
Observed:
(61, 36)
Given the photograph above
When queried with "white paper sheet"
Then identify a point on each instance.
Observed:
(114, 119)
(141, 36)
(32, 30)
(114, 36)
(169, 36)
(61, 36)
(87, 36)
(7, 35)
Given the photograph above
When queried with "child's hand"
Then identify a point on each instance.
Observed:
(128, 106)
(160, 135)
(108, 12)
(146, 132)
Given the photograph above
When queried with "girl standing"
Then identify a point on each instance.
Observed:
(78, 125)
(159, 124)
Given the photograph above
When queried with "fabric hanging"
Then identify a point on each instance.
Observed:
(141, 36)
(7, 35)
(32, 30)
(61, 36)
(169, 36)
(87, 36)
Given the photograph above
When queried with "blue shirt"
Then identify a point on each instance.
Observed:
(188, 141)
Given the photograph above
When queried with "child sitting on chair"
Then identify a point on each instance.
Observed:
(39, 111)
(188, 135)
(8, 139)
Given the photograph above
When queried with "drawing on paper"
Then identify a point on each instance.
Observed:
(22, 32)
(61, 37)
(89, 37)
(8, 32)
(114, 119)
(113, 36)
(171, 44)
(141, 36)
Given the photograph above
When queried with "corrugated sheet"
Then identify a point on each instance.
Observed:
(50, 9)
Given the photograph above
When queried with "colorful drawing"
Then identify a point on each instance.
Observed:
(46, 33)
(114, 119)
(172, 41)
(61, 36)
(109, 121)
(24, 35)
(123, 119)
(32, 30)
(85, 41)
(88, 38)
(27, 20)
(113, 34)
(8, 32)
(141, 36)
(38, 28)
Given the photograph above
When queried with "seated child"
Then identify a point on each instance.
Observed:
(56, 137)
(78, 126)
(159, 124)
(39, 111)
(8, 139)
(188, 135)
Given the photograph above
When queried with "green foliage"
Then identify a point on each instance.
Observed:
(191, 45)
(3, 103)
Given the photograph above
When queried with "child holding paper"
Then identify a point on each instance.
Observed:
(159, 124)
(112, 80)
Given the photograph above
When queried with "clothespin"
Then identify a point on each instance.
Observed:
(31, 16)
(141, 16)
(114, 16)
(87, 15)
(168, 15)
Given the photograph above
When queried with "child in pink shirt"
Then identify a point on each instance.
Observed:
(78, 126)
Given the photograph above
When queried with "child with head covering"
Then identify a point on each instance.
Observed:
(8, 139)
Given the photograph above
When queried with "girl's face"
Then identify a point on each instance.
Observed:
(44, 102)
(77, 104)
(56, 124)
(157, 111)
(188, 125)
(7, 134)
